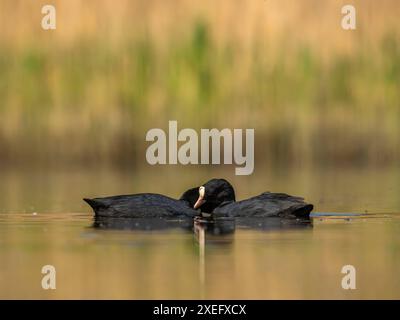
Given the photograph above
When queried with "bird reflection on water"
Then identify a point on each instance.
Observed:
(211, 230)
(212, 226)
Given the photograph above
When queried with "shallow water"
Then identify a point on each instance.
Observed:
(185, 259)
(245, 262)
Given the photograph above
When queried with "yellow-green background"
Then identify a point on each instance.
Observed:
(76, 103)
(87, 92)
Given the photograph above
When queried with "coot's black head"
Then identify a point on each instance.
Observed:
(213, 193)
(190, 196)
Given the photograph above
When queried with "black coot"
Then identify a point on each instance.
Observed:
(217, 196)
(145, 205)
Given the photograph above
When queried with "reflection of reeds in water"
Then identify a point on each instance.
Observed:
(111, 71)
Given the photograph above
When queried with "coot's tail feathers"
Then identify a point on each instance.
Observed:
(94, 203)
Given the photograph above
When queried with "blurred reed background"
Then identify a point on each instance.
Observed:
(89, 91)
(81, 98)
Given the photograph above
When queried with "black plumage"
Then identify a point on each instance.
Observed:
(219, 199)
(144, 205)
(216, 197)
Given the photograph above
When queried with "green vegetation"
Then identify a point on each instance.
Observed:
(91, 100)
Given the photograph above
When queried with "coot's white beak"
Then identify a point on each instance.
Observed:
(200, 200)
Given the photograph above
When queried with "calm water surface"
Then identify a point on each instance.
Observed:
(43, 221)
